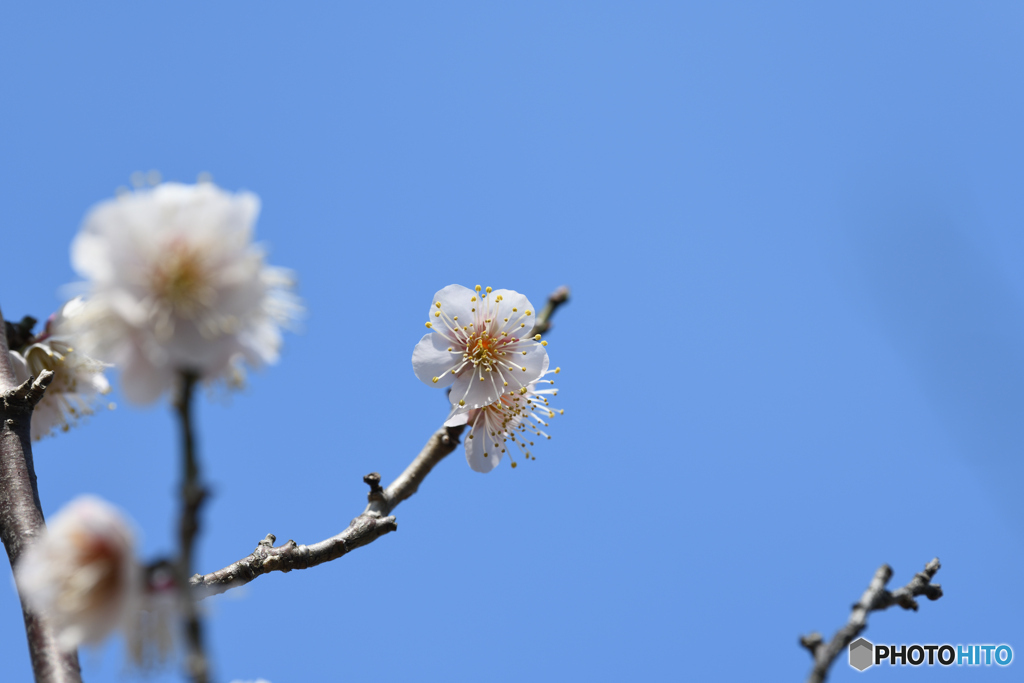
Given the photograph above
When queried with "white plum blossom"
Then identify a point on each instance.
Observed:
(78, 381)
(176, 285)
(517, 417)
(479, 346)
(81, 573)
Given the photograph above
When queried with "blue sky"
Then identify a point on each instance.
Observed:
(795, 349)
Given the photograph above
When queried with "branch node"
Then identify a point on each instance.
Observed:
(812, 642)
(28, 393)
(268, 541)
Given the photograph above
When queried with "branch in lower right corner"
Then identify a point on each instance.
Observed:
(874, 599)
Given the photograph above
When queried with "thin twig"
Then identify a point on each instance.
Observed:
(555, 300)
(373, 523)
(21, 514)
(875, 598)
(192, 496)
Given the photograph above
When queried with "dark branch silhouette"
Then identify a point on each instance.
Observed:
(875, 599)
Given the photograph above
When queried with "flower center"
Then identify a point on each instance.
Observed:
(180, 281)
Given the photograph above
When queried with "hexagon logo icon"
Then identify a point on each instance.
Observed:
(862, 654)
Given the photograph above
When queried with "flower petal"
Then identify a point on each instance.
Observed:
(535, 362)
(431, 358)
(481, 454)
(519, 324)
(455, 300)
(476, 393)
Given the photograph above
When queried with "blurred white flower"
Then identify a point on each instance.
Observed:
(78, 380)
(517, 417)
(478, 345)
(176, 284)
(80, 573)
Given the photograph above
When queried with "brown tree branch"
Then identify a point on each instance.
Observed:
(192, 496)
(21, 514)
(373, 523)
(875, 599)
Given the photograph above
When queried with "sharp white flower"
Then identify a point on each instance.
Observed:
(518, 418)
(78, 381)
(176, 284)
(479, 346)
(81, 572)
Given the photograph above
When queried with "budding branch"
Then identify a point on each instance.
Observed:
(374, 522)
(875, 599)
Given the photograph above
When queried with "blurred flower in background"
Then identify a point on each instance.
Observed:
(78, 380)
(175, 284)
(81, 574)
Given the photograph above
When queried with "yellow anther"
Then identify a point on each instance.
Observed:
(524, 353)
(473, 299)
(506, 319)
(558, 370)
(524, 369)
(430, 324)
(470, 436)
(438, 304)
(488, 290)
(461, 402)
(522, 325)
(481, 379)
(455, 318)
(506, 384)
(529, 313)
(522, 391)
(435, 380)
(498, 298)
(449, 349)
(561, 412)
(437, 314)
(477, 288)
(544, 343)
(513, 464)
(550, 414)
(514, 310)
(536, 337)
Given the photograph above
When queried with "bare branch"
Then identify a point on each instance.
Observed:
(364, 529)
(875, 598)
(21, 514)
(192, 496)
(555, 300)
(374, 522)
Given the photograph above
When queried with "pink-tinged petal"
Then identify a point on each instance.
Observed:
(519, 323)
(431, 358)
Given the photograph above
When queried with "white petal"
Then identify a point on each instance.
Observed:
(142, 381)
(519, 323)
(475, 393)
(481, 454)
(455, 300)
(535, 361)
(457, 417)
(431, 358)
